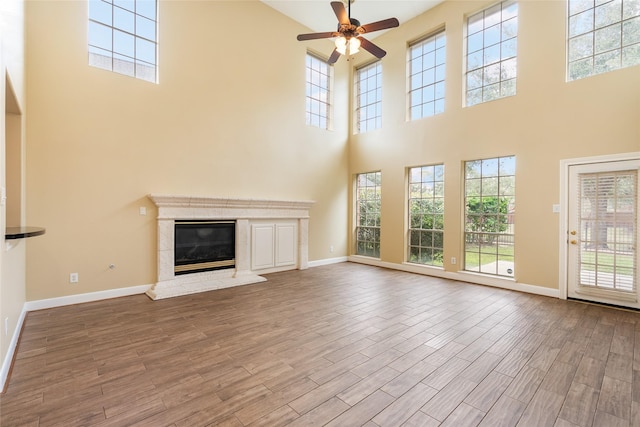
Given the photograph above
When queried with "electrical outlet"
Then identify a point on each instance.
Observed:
(331, 248)
(6, 326)
(453, 260)
(73, 278)
(143, 210)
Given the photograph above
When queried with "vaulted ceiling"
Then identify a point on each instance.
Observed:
(318, 16)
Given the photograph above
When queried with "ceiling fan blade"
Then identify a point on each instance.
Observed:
(341, 12)
(313, 36)
(334, 57)
(372, 48)
(380, 25)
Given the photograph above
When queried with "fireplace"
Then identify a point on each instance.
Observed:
(204, 246)
(242, 214)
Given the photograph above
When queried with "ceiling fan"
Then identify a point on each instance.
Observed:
(349, 33)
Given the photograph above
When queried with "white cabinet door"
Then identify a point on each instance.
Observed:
(285, 244)
(262, 244)
(273, 245)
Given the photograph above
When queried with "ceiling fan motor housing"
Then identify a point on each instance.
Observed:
(350, 30)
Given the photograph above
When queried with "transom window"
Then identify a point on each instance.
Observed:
(318, 92)
(426, 76)
(368, 204)
(368, 94)
(492, 38)
(123, 37)
(426, 215)
(603, 36)
(489, 216)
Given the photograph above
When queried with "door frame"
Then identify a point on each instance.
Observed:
(563, 232)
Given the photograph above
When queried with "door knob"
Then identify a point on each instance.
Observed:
(573, 233)
(574, 242)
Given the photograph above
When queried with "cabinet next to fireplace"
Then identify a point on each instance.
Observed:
(274, 246)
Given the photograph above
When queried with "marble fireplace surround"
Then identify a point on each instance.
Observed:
(243, 211)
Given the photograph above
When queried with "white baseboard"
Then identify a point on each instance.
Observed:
(327, 261)
(8, 360)
(88, 297)
(461, 276)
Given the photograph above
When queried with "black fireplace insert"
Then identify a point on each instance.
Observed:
(204, 246)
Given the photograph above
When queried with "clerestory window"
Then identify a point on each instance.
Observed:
(318, 104)
(492, 41)
(602, 36)
(427, 59)
(368, 97)
(123, 37)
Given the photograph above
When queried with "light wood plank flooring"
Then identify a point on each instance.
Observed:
(340, 345)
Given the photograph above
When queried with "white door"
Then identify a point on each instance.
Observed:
(602, 233)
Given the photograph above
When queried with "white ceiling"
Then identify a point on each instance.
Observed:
(319, 17)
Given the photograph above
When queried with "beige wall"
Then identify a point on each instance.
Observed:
(226, 119)
(548, 120)
(12, 104)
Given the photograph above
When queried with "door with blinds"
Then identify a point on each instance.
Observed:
(602, 233)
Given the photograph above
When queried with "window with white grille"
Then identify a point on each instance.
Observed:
(427, 60)
(123, 37)
(603, 36)
(491, 43)
(426, 215)
(489, 196)
(318, 79)
(368, 205)
(368, 97)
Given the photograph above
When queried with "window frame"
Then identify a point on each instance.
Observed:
(435, 87)
(590, 37)
(425, 225)
(493, 209)
(112, 23)
(364, 246)
(372, 111)
(324, 112)
(476, 64)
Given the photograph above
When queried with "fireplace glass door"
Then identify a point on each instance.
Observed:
(204, 246)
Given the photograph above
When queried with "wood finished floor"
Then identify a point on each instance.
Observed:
(340, 345)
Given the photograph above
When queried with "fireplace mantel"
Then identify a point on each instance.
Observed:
(249, 208)
(243, 211)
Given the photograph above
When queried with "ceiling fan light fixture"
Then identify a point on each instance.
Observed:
(341, 45)
(354, 45)
(347, 46)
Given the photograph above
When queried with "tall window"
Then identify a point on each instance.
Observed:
(426, 76)
(604, 36)
(426, 215)
(492, 37)
(123, 37)
(368, 94)
(318, 92)
(489, 216)
(368, 203)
